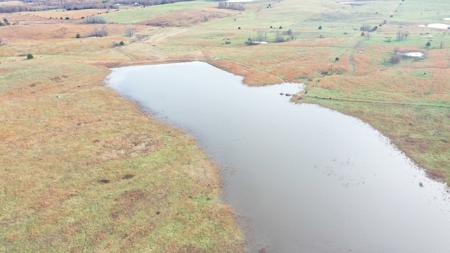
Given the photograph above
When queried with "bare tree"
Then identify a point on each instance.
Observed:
(406, 34)
(129, 31)
(441, 45)
(399, 35)
(279, 37)
(102, 32)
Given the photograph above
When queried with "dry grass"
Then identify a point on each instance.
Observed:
(85, 170)
(186, 17)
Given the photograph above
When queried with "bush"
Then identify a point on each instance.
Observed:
(336, 59)
(428, 44)
(67, 18)
(29, 57)
(121, 43)
(78, 36)
(395, 59)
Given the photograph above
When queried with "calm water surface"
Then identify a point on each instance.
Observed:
(301, 177)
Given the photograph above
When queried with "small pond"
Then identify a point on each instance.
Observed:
(301, 177)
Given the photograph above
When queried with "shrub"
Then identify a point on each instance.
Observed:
(336, 59)
(395, 59)
(29, 57)
(320, 27)
(428, 44)
(121, 43)
(67, 18)
(78, 36)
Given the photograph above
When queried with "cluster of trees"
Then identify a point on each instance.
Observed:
(285, 36)
(102, 32)
(231, 6)
(14, 8)
(280, 36)
(94, 20)
(149, 2)
(80, 5)
(83, 5)
(6, 22)
(114, 44)
(368, 28)
(401, 35)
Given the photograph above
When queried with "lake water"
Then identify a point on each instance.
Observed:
(301, 177)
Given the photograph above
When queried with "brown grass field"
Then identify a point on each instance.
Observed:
(84, 170)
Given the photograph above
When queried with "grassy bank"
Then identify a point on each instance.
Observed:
(84, 170)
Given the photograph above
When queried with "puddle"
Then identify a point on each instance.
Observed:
(413, 54)
(437, 26)
(301, 177)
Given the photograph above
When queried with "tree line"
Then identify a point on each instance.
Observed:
(231, 6)
(80, 5)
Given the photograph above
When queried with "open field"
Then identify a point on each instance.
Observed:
(86, 171)
(138, 14)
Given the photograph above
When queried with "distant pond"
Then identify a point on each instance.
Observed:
(302, 178)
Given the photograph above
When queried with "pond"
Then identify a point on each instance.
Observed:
(302, 178)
